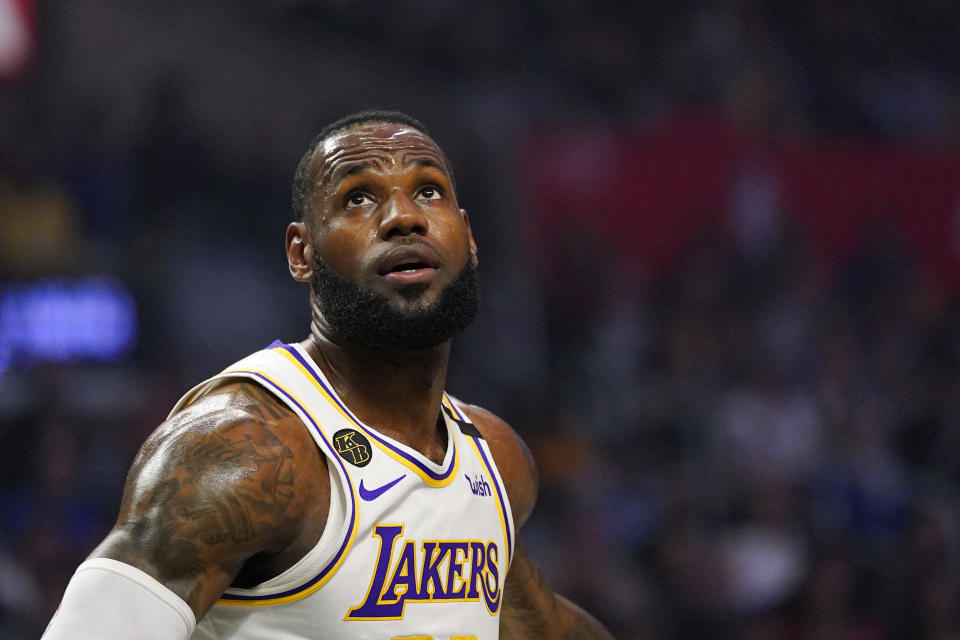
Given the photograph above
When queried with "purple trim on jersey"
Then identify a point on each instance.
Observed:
(456, 410)
(493, 476)
(503, 505)
(400, 452)
(353, 511)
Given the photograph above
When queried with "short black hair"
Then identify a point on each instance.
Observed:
(303, 181)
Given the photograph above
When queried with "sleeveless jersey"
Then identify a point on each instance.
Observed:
(411, 549)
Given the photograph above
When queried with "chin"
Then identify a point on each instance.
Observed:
(416, 293)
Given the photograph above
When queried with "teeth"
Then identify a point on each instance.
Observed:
(409, 266)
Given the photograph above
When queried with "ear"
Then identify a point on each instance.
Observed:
(473, 243)
(299, 252)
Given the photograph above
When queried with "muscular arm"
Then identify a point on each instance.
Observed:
(531, 610)
(212, 487)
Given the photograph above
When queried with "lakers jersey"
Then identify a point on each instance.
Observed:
(412, 549)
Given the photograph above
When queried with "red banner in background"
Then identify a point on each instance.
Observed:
(646, 195)
(18, 37)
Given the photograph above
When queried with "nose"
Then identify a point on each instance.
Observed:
(402, 217)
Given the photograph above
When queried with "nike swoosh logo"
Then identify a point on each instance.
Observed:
(373, 494)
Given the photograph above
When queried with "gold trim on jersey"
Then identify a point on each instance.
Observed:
(375, 437)
(266, 600)
(501, 507)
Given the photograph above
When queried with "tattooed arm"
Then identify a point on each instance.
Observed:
(221, 488)
(531, 610)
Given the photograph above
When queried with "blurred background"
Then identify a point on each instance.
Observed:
(720, 252)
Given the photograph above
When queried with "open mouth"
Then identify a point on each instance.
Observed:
(409, 264)
(410, 273)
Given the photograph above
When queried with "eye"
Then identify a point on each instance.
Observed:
(430, 192)
(358, 199)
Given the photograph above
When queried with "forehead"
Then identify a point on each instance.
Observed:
(379, 142)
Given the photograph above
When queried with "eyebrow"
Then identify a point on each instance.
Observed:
(427, 161)
(350, 169)
(353, 168)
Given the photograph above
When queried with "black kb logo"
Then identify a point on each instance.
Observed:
(352, 446)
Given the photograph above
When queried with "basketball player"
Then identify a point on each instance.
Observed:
(331, 488)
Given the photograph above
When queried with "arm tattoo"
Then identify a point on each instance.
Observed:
(525, 607)
(266, 405)
(225, 480)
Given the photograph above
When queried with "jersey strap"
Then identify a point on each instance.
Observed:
(483, 452)
(276, 375)
(313, 584)
(465, 427)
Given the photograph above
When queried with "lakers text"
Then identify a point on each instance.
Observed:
(431, 571)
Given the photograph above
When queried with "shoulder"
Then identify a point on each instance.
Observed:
(238, 410)
(514, 460)
(231, 476)
(237, 426)
(238, 435)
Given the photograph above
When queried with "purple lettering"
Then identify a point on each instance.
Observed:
(491, 593)
(458, 552)
(476, 568)
(432, 559)
(401, 576)
(404, 581)
(370, 608)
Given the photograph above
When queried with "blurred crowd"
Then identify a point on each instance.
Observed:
(754, 442)
(755, 448)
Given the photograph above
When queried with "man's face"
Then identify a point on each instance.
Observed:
(387, 232)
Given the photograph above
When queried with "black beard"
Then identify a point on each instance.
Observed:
(368, 318)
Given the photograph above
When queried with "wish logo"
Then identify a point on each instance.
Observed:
(353, 447)
(479, 487)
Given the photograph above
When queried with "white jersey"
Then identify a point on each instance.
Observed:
(412, 549)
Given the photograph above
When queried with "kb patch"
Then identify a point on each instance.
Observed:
(353, 447)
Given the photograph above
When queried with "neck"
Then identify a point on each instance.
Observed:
(397, 392)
